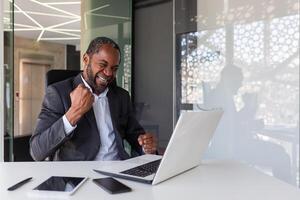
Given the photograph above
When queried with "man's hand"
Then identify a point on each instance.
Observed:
(81, 101)
(149, 143)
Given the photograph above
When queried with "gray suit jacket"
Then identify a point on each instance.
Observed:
(50, 140)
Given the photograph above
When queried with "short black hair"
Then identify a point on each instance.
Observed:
(96, 44)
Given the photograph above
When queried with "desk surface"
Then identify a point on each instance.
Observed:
(211, 180)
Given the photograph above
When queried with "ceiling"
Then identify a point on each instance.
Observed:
(48, 20)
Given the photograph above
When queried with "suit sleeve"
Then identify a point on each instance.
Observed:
(49, 134)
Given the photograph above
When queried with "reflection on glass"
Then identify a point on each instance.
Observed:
(58, 183)
(252, 71)
(284, 39)
(248, 43)
(110, 18)
(202, 60)
(126, 83)
(270, 68)
(8, 79)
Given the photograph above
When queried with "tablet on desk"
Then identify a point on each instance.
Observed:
(58, 186)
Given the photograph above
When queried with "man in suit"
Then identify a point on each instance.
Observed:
(88, 117)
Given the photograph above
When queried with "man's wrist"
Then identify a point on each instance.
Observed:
(67, 125)
(73, 116)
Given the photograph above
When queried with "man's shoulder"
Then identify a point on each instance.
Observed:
(120, 91)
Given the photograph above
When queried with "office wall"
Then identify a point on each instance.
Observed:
(153, 66)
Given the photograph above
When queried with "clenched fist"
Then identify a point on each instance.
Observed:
(149, 143)
(81, 101)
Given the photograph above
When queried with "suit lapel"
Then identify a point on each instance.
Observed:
(77, 80)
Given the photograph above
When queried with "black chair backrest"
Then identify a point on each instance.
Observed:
(56, 75)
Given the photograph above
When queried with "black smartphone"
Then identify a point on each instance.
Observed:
(111, 185)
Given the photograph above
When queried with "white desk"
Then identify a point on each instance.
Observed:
(212, 180)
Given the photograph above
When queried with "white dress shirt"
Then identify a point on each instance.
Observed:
(108, 148)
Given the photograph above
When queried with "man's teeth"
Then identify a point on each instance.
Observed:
(102, 79)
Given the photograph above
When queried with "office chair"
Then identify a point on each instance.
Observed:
(56, 75)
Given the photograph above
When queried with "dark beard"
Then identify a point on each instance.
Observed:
(91, 80)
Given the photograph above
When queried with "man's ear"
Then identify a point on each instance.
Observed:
(85, 59)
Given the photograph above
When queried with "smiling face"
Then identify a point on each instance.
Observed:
(101, 68)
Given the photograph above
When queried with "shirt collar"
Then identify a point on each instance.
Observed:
(102, 94)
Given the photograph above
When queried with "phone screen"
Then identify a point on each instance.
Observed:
(111, 185)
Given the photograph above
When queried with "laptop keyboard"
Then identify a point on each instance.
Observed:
(143, 170)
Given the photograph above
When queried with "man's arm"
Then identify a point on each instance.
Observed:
(49, 134)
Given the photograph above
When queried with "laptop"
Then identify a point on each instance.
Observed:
(188, 142)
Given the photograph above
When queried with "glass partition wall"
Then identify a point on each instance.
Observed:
(110, 18)
(7, 79)
(243, 57)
